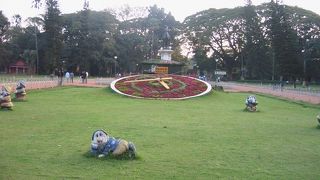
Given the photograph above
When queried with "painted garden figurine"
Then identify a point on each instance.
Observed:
(102, 145)
(21, 91)
(5, 98)
(251, 103)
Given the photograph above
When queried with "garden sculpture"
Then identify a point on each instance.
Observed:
(166, 38)
(251, 103)
(20, 92)
(102, 145)
(5, 98)
(160, 80)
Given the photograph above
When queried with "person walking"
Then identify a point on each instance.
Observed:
(67, 76)
(71, 76)
(84, 77)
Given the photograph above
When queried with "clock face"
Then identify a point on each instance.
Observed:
(150, 86)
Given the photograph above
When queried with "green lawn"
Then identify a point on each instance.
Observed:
(210, 137)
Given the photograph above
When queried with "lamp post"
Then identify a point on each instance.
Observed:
(115, 65)
(241, 58)
(197, 70)
(137, 68)
(304, 67)
(273, 63)
(35, 34)
(304, 62)
(216, 70)
(304, 51)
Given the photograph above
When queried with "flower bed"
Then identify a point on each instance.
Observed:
(181, 87)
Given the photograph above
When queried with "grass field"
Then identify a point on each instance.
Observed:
(210, 137)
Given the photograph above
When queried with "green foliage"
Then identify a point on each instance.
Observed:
(242, 37)
(48, 137)
(4, 25)
(156, 22)
(219, 31)
(53, 36)
(256, 51)
(243, 33)
(140, 39)
(4, 53)
(89, 41)
(204, 63)
(284, 43)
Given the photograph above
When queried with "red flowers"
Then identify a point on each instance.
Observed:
(181, 87)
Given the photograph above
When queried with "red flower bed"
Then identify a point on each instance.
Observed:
(180, 87)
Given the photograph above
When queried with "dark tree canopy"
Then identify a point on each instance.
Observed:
(264, 39)
(261, 42)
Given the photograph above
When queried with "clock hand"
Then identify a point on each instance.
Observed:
(164, 84)
(155, 79)
(160, 80)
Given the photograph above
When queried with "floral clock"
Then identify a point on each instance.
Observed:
(152, 86)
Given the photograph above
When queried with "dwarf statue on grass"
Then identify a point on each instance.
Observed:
(21, 91)
(251, 103)
(5, 98)
(102, 145)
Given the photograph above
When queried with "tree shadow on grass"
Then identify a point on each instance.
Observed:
(18, 100)
(246, 110)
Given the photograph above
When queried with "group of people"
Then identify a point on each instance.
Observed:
(83, 76)
(69, 76)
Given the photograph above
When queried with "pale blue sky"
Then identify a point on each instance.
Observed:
(178, 8)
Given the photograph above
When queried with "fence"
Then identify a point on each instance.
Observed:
(311, 90)
(30, 81)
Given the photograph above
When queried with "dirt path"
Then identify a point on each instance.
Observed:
(312, 98)
(54, 83)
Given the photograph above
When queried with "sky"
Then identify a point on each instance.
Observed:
(180, 9)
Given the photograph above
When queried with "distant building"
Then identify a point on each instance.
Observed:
(19, 67)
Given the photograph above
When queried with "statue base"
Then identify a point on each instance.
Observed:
(165, 54)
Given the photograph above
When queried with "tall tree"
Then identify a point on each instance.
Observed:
(203, 62)
(256, 51)
(4, 26)
(285, 43)
(35, 24)
(220, 30)
(53, 34)
(139, 39)
(84, 46)
(89, 42)
(157, 22)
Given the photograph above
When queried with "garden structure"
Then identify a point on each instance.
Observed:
(153, 86)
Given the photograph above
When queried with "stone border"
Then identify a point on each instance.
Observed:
(113, 83)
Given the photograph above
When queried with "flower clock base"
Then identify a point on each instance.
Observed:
(154, 86)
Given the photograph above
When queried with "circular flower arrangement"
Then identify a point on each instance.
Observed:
(153, 86)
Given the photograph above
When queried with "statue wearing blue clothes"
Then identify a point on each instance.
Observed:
(102, 145)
